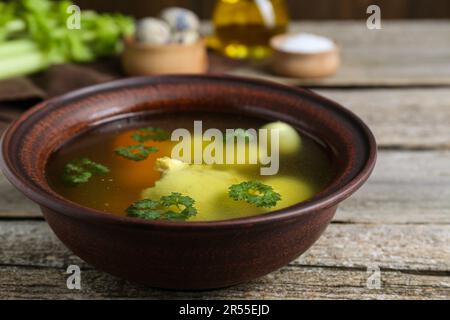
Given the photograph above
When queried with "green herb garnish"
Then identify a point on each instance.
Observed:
(254, 192)
(137, 152)
(81, 171)
(172, 207)
(150, 134)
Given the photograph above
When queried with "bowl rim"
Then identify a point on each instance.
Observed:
(72, 209)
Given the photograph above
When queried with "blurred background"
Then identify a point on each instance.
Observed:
(299, 9)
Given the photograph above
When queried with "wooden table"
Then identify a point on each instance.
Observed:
(397, 79)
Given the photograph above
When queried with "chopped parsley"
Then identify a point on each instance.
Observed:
(254, 192)
(174, 207)
(150, 134)
(137, 152)
(81, 171)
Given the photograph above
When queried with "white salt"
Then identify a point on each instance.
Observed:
(306, 43)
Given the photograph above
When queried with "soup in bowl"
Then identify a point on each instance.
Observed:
(188, 182)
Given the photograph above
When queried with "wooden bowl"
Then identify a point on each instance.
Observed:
(303, 65)
(187, 255)
(140, 59)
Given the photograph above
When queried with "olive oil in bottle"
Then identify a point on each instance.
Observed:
(243, 28)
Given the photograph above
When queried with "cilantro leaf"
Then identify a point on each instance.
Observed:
(81, 171)
(254, 192)
(172, 207)
(150, 134)
(137, 152)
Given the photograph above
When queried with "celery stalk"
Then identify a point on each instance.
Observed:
(23, 64)
(14, 26)
(34, 35)
(17, 47)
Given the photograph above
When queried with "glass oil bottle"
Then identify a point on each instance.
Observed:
(243, 28)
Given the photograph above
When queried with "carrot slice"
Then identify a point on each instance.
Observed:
(139, 174)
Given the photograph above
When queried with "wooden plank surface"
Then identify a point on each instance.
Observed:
(290, 282)
(402, 53)
(414, 263)
(406, 188)
(408, 118)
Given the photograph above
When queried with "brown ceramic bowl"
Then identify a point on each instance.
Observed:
(190, 255)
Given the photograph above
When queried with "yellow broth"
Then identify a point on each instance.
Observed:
(127, 179)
